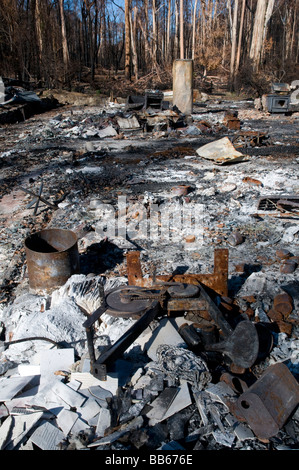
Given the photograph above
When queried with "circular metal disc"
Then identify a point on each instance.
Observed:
(183, 290)
(118, 306)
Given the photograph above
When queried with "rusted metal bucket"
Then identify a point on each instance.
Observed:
(52, 258)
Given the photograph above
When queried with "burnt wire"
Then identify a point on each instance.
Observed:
(36, 338)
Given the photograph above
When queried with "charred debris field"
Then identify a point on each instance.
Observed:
(167, 202)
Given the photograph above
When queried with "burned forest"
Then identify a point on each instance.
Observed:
(149, 235)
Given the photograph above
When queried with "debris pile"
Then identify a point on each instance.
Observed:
(18, 104)
(167, 391)
(146, 347)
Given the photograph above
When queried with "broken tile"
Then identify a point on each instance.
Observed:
(55, 360)
(172, 446)
(52, 402)
(89, 409)
(215, 413)
(136, 423)
(241, 430)
(104, 422)
(161, 404)
(47, 437)
(89, 395)
(21, 426)
(165, 333)
(68, 395)
(223, 438)
(10, 387)
(66, 420)
(27, 370)
(74, 384)
(201, 402)
(197, 433)
(181, 401)
(5, 430)
(79, 426)
(88, 380)
(100, 393)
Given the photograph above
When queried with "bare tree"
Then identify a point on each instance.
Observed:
(168, 30)
(240, 37)
(133, 24)
(182, 43)
(234, 40)
(194, 29)
(65, 49)
(127, 40)
(42, 39)
(155, 32)
(262, 15)
(38, 24)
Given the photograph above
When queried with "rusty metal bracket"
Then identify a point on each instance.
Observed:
(267, 404)
(217, 281)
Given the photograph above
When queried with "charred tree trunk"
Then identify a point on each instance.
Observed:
(133, 22)
(155, 32)
(234, 42)
(238, 58)
(38, 25)
(194, 29)
(65, 49)
(182, 44)
(257, 35)
(127, 40)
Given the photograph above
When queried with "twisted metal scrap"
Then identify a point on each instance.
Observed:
(180, 363)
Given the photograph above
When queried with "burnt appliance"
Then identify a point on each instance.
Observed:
(278, 101)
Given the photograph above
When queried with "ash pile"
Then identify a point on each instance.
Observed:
(171, 367)
(147, 351)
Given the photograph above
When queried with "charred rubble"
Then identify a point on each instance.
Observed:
(183, 343)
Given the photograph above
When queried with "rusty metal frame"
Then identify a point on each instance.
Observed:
(217, 281)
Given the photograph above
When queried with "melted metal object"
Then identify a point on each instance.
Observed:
(183, 291)
(242, 346)
(121, 304)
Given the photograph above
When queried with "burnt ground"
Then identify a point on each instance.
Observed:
(148, 163)
(81, 171)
